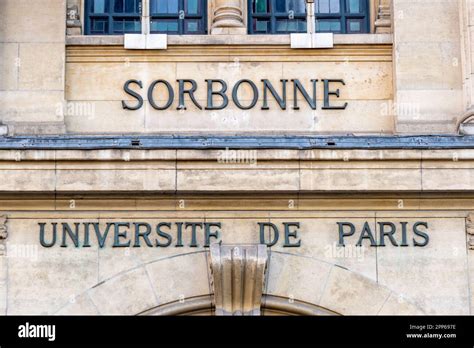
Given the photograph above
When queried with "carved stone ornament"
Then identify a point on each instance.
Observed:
(237, 275)
(470, 230)
(73, 20)
(383, 22)
(3, 234)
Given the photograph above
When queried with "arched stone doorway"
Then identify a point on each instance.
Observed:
(271, 305)
(294, 285)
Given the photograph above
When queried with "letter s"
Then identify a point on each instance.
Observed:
(420, 234)
(137, 96)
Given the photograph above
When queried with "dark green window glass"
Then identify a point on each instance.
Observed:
(112, 17)
(178, 16)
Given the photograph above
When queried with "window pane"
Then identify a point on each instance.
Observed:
(285, 6)
(353, 6)
(335, 6)
(354, 25)
(327, 6)
(99, 26)
(118, 6)
(191, 26)
(98, 6)
(328, 25)
(260, 6)
(282, 25)
(164, 26)
(192, 6)
(290, 26)
(164, 6)
(262, 26)
(126, 25)
(130, 6)
(322, 6)
(302, 26)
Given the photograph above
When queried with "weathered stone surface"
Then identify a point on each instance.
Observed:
(349, 293)
(440, 268)
(181, 277)
(128, 293)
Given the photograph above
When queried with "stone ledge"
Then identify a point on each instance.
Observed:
(176, 40)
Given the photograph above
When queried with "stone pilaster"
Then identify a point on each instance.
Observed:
(32, 68)
(228, 17)
(237, 278)
(427, 63)
(383, 21)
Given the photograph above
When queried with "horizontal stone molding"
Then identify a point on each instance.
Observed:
(229, 53)
(238, 170)
(229, 40)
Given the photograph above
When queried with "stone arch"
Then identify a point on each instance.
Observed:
(295, 285)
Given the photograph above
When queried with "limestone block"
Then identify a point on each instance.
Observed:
(110, 77)
(80, 305)
(178, 278)
(349, 293)
(41, 66)
(117, 177)
(8, 66)
(26, 176)
(17, 16)
(31, 106)
(128, 293)
(452, 175)
(352, 175)
(227, 177)
(43, 280)
(99, 117)
(426, 21)
(297, 277)
(398, 305)
(436, 66)
(320, 237)
(438, 269)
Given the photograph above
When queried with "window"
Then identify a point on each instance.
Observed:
(277, 16)
(178, 16)
(113, 17)
(342, 16)
(289, 16)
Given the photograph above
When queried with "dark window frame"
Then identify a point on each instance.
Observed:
(273, 17)
(343, 16)
(109, 15)
(201, 17)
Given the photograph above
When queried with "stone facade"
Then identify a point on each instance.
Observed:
(62, 98)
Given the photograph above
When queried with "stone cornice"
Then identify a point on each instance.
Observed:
(226, 40)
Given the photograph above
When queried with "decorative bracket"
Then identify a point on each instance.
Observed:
(237, 277)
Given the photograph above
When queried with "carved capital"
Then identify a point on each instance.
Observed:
(228, 17)
(470, 230)
(237, 278)
(3, 234)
